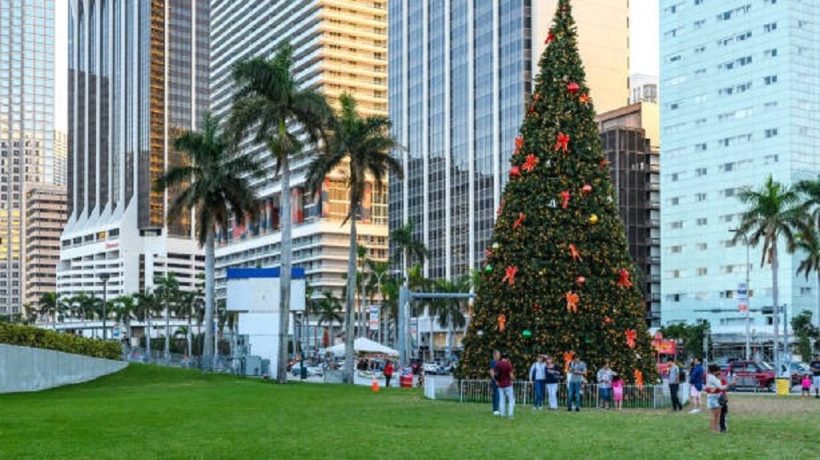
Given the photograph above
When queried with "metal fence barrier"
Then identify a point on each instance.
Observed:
(479, 391)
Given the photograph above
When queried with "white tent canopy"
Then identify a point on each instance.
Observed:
(363, 345)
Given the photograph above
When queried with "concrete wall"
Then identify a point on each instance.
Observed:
(35, 369)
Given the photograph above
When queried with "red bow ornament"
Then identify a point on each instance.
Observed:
(531, 163)
(562, 142)
(574, 253)
(564, 199)
(520, 221)
(638, 378)
(624, 280)
(509, 275)
(584, 98)
(502, 322)
(550, 37)
(519, 142)
(631, 335)
(572, 302)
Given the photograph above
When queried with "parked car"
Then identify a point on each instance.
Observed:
(796, 371)
(750, 375)
(430, 368)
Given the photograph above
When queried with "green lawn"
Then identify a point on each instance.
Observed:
(150, 412)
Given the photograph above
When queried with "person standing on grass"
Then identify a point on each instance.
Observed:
(388, 373)
(605, 385)
(618, 391)
(674, 386)
(504, 376)
(577, 376)
(553, 375)
(805, 386)
(695, 385)
(538, 377)
(723, 400)
(815, 369)
(714, 388)
(494, 382)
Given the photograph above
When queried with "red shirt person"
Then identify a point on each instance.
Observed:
(504, 376)
(388, 373)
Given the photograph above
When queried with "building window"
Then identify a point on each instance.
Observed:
(676, 225)
(675, 249)
(700, 171)
(674, 201)
(770, 27)
(771, 132)
(769, 53)
(701, 246)
(702, 271)
(701, 221)
(770, 80)
(700, 197)
(729, 192)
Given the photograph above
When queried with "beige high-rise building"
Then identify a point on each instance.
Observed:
(603, 40)
(46, 215)
(338, 46)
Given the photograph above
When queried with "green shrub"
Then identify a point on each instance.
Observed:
(28, 336)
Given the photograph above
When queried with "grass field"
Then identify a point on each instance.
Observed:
(150, 412)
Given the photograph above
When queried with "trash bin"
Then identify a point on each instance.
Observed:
(406, 381)
(783, 386)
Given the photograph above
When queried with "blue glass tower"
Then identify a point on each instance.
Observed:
(739, 102)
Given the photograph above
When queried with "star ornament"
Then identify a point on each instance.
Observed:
(530, 163)
(584, 98)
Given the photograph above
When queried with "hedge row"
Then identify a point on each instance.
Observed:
(28, 336)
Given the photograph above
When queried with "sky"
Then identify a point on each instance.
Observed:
(643, 42)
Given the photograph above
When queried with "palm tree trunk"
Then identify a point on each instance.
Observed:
(351, 293)
(167, 330)
(188, 336)
(284, 275)
(207, 346)
(775, 302)
(148, 334)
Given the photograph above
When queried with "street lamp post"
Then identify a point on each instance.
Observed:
(104, 277)
(748, 319)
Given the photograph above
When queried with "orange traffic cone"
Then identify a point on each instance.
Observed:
(375, 385)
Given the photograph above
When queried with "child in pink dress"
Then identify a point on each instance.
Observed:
(617, 391)
(806, 385)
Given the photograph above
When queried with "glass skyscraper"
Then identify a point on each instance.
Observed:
(460, 74)
(138, 76)
(739, 103)
(26, 129)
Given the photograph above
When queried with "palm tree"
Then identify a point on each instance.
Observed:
(167, 289)
(147, 305)
(772, 212)
(374, 282)
(187, 308)
(365, 142)
(450, 312)
(810, 191)
(328, 308)
(215, 186)
(410, 248)
(124, 307)
(809, 244)
(271, 106)
(49, 306)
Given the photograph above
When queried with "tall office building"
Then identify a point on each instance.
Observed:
(643, 88)
(60, 157)
(138, 76)
(740, 103)
(339, 46)
(26, 129)
(629, 136)
(45, 218)
(460, 75)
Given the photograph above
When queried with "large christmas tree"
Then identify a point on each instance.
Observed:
(558, 278)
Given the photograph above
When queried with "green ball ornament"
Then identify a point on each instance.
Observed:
(526, 333)
(496, 245)
(488, 268)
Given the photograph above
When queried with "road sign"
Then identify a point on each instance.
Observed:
(742, 292)
(374, 318)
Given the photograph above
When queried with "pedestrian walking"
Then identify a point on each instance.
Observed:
(493, 382)
(553, 375)
(815, 369)
(695, 385)
(388, 373)
(714, 388)
(505, 376)
(604, 377)
(618, 391)
(577, 376)
(674, 386)
(538, 377)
